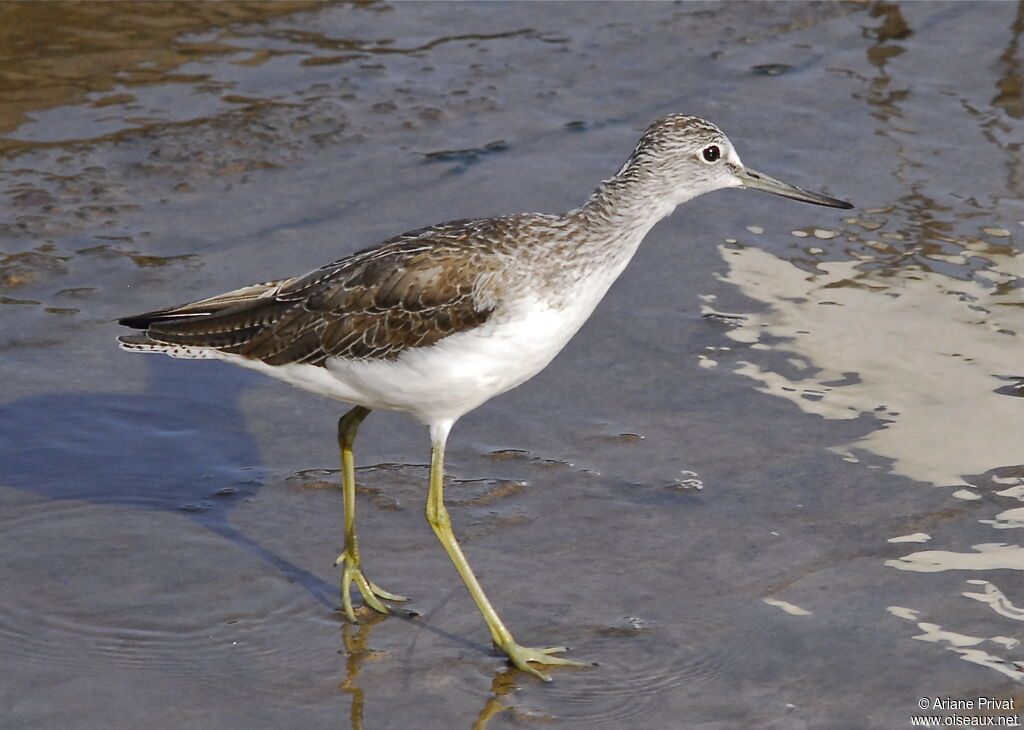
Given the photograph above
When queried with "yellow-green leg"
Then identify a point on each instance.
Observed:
(349, 559)
(437, 516)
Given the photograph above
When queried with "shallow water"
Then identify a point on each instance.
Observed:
(775, 482)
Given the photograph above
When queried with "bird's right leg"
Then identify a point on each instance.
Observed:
(437, 516)
(349, 558)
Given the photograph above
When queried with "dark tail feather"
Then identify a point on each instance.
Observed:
(144, 321)
(247, 297)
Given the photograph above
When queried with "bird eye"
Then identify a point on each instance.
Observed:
(711, 153)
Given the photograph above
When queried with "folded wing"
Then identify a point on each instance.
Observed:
(411, 291)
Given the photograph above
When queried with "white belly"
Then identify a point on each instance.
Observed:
(445, 380)
(457, 374)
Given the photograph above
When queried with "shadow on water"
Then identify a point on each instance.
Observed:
(180, 447)
(172, 448)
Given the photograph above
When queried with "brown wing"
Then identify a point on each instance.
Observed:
(411, 291)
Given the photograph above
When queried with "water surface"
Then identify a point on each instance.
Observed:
(775, 482)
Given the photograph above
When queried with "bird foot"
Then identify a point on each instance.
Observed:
(352, 573)
(521, 656)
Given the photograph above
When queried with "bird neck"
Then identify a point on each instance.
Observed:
(629, 204)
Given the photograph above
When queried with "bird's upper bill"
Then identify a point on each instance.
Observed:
(753, 180)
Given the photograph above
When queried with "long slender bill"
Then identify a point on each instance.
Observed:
(753, 180)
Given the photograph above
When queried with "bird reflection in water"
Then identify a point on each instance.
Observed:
(356, 639)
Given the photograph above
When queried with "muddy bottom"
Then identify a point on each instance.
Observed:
(774, 482)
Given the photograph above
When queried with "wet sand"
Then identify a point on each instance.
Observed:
(775, 481)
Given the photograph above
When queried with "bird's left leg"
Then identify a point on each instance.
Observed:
(349, 558)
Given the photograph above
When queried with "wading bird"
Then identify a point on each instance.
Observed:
(436, 321)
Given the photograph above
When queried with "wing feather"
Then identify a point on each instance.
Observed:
(411, 291)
